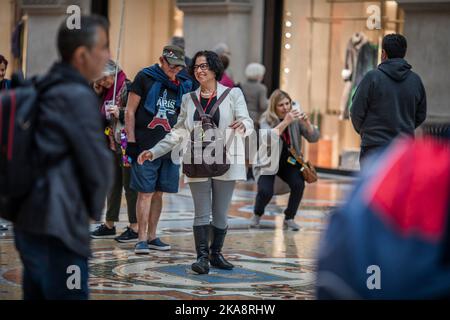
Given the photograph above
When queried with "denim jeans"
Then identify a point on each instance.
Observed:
(50, 270)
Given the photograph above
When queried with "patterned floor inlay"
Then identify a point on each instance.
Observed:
(270, 263)
(125, 273)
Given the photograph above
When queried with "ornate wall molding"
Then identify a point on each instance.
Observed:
(38, 7)
(425, 6)
(215, 6)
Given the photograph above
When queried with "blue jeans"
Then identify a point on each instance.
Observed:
(50, 270)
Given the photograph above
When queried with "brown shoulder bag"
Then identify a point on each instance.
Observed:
(308, 171)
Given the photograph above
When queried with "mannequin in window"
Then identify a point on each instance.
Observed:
(361, 56)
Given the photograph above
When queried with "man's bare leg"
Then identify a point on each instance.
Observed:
(155, 214)
(143, 204)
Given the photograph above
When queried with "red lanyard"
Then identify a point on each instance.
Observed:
(286, 137)
(209, 101)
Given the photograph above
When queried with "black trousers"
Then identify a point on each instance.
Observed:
(366, 152)
(289, 174)
(122, 178)
(50, 270)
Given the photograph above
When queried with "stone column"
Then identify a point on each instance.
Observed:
(148, 27)
(426, 29)
(238, 23)
(43, 20)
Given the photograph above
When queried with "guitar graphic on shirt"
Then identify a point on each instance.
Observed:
(161, 117)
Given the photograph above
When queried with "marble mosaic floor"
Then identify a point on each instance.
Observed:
(270, 263)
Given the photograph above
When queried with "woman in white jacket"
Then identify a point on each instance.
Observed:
(212, 196)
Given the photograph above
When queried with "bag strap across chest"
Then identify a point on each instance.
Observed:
(214, 109)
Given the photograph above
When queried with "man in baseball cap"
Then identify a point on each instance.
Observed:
(174, 55)
(152, 111)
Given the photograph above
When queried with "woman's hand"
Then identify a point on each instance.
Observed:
(292, 116)
(114, 110)
(144, 156)
(238, 126)
(304, 118)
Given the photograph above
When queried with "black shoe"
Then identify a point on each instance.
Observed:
(201, 237)
(201, 266)
(127, 236)
(216, 258)
(103, 232)
(250, 175)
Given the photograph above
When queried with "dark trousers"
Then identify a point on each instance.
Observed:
(122, 178)
(293, 177)
(366, 152)
(50, 270)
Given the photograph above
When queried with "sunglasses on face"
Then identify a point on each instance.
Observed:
(203, 67)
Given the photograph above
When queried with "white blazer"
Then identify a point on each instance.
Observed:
(232, 108)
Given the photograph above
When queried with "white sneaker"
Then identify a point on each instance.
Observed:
(290, 224)
(255, 221)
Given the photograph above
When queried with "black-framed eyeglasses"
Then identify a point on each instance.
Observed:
(203, 66)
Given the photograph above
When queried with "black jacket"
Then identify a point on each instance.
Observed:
(389, 101)
(75, 163)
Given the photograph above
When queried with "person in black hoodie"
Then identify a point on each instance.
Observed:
(52, 227)
(389, 101)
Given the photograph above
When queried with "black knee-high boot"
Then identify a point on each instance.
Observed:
(216, 258)
(201, 237)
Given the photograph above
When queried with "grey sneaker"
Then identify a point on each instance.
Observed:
(141, 248)
(291, 225)
(255, 222)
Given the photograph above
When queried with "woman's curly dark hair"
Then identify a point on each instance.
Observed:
(213, 60)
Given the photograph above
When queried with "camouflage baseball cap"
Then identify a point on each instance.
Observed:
(174, 55)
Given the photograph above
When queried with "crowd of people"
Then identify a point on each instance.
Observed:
(130, 129)
(151, 110)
